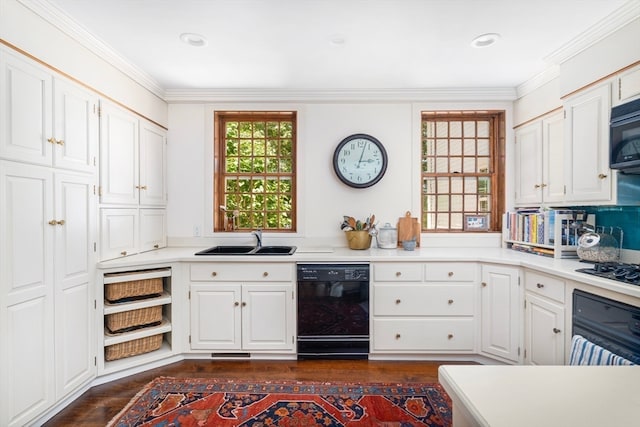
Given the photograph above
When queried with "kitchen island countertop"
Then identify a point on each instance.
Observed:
(550, 396)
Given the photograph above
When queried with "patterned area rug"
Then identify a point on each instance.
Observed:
(224, 403)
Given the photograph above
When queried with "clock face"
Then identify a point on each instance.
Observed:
(360, 160)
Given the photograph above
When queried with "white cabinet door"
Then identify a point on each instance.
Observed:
(588, 177)
(119, 230)
(74, 268)
(528, 164)
(119, 140)
(75, 127)
(501, 312)
(216, 317)
(26, 292)
(544, 331)
(25, 111)
(553, 188)
(627, 86)
(153, 226)
(267, 317)
(153, 164)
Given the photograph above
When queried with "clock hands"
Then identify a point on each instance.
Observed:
(361, 155)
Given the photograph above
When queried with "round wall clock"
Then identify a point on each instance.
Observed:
(360, 160)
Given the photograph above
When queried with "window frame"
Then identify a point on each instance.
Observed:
(496, 165)
(219, 136)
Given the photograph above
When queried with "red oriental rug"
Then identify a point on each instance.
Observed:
(224, 403)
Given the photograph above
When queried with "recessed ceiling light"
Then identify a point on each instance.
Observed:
(193, 39)
(485, 40)
(337, 39)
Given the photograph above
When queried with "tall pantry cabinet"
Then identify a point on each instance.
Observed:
(48, 142)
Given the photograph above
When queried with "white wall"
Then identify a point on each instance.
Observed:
(32, 34)
(322, 198)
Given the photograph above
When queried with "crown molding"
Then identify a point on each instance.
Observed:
(630, 11)
(339, 95)
(552, 72)
(73, 29)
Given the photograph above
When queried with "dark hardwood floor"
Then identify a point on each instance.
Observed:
(101, 403)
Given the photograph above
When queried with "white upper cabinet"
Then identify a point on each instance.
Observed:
(539, 161)
(45, 119)
(26, 110)
(75, 127)
(153, 163)
(133, 159)
(119, 141)
(588, 177)
(626, 86)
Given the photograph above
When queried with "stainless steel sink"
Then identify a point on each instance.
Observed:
(248, 250)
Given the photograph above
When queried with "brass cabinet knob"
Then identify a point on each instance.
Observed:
(61, 222)
(265, 274)
(398, 273)
(235, 304)
(156, 246)
(450, 274)
(539, 285)
(484, 284)
(53, 222)
(51, 140)
(556, 331)
(397, 336)
(450, 336)
(123, 253)
(143, 187)
(244, 304)
(602, 175)
(214, 274)
(398, 301)
(450, 302)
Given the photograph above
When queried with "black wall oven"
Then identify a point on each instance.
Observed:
(612, 325)
(624, 137)
(333, 311)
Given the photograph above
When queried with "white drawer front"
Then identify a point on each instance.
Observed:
(451, 272)
(397, 272)
(548, 286)
(245, 272)
(423, 300)
(423, 334)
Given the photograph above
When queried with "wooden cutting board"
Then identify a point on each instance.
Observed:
(408, 228)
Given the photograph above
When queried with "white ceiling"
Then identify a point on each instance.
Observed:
(388, 44)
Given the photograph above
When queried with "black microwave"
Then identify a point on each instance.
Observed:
(624, 137)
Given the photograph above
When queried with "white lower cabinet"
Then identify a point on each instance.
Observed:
(46, 293)
(501, 312)
(242, 307)
(544, 319)
(424, 307)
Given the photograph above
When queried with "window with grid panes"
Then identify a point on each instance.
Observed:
(255, 171)
(462, 169)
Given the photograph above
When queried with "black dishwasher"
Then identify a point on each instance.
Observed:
(333, 311)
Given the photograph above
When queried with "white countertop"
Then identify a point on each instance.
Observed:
(549, 396)
(561, 267)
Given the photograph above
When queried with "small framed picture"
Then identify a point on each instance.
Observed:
(476, 222)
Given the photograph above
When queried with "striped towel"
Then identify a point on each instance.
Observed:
(584, 352)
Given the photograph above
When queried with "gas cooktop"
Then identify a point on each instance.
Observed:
(618, 271)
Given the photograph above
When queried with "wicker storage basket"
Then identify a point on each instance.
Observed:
(132, 348)
(133, 289)
(133, 319)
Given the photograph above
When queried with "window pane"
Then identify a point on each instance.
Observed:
(469, 165)
(457, 168)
